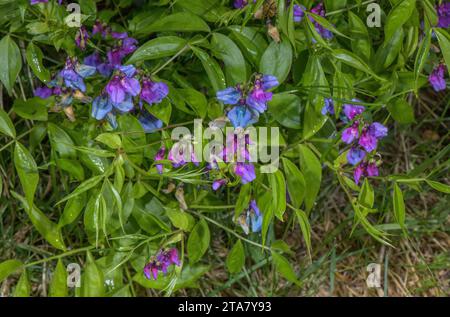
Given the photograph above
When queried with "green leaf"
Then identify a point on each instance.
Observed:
(295, 183)
(179, 22)
(284, 268)
(58, 284)
(6, 125)
(48, 229)
(439, 186)
(277, 60)
(72, 210)
(366, 195)
(83, 187)
(212, 68)
(278, 186)
(285, 108)
(421, 58)
(195, 99)
(34, 59)
(398, 16)
(61, 142)
(305, 227)
(110, 139)
(23, 288)
(236, 258)
(73, 167)
(27, 170)
(225, 49)
(354, 61)
(250, 41)
(243, 199)
(10, 62)
(8, 267)
(399, 206)
(92, 280)
(401, 111)
(160, 47)
(444, 43)
(312, 170)
(360, 37)
(198, 241)
(32, 109)
(180, 219)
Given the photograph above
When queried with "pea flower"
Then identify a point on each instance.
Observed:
(350, 134)
(122, 87)
(241, 116)
(43, 92)
(355, 155)
(436, 78)
(443, 12)
(158, 157)
(103, 68)
(299, 13)
(239, 4)
(161, 262)
(328, 107)
(351, 111)
(82, 37)
(74, 73)
(149, 122)
(246, 171)
(153, 92)
(101, 28)
(218, 183)
(251, 217)
(365, 169)
(370, 136)
(320, 10)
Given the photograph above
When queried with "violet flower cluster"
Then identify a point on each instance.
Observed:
(443, 12)
(363, 138)
(161, 262)
(127, 89)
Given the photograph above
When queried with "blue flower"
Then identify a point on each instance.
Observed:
(241, 116)
(229, 96)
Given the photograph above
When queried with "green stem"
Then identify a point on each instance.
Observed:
(62, 255)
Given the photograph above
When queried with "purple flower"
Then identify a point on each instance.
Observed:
(129, 45)
(229, 96)
(269, 82)
(149, 122)
(351, 111)
(246, 171)
(119, 35)
(101, 106)
(328, 107)
(443, 12)
(436, 78)
(372, 169)
(81, 38)
(161, 262)
(121, 88)
(239, 4)
(241, 116)
(158, 157)
(320, 10)
(33, 2)
(115, 57)
(355, 155)
(378, 130)
(299, 12)
(94, 60)
(218, 183)
(357, 173)
(350, 134)
(73, 74)
(368, 141)
(153, 92)
(43, 92)
(258, 98)
(100, 28)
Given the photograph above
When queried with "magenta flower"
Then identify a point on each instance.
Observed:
(358, 173)
(153, 92)
(161, 262)
(218, 183)
(443, 12)
(368, 141)
(436, 78)
(320, 10)
(158, 157)
(246, 171)
(351, 111)
(350, 134)
(372, 169)
(122, 87)
(258, 98)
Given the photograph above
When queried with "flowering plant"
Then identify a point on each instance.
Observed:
(98, 158)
